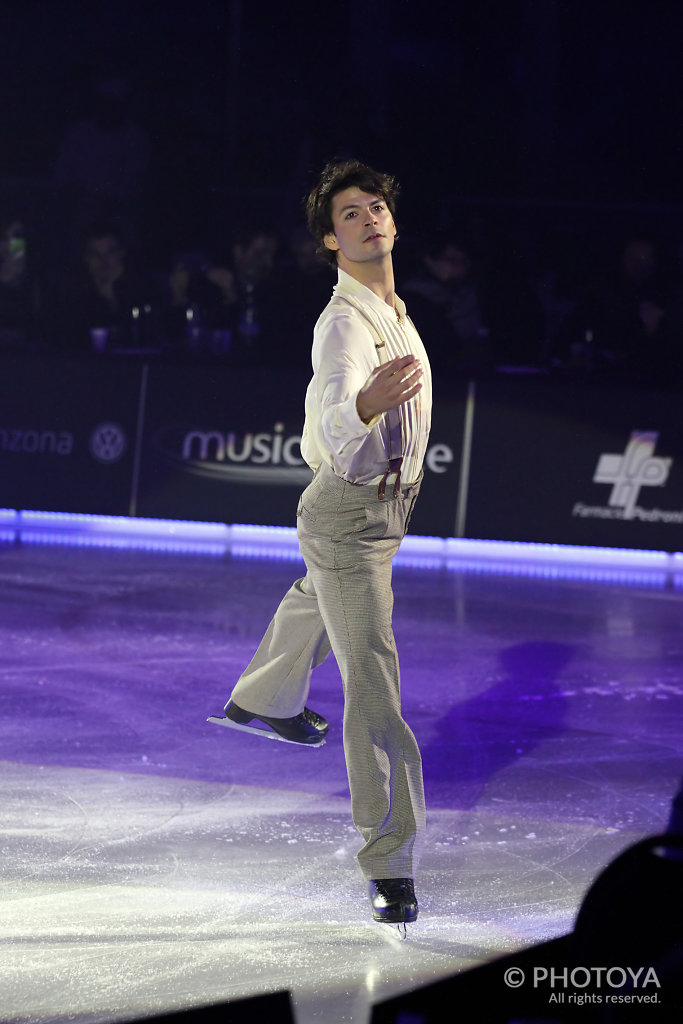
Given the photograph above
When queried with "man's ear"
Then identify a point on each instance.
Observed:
(330, 241)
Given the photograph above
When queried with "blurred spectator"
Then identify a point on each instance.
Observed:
(200, 305)
(101, 164)
(230, 304)
(20, 294)
(253, 255)
(302, 287)
(106, 303)
(474, 316)
(237, 292)
(445, 301)
(617, 326)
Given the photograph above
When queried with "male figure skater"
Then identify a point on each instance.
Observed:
(368, 411)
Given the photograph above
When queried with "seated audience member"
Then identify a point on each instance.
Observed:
(471, 321)
(239, 293)
(199, 305)
(301, 287)
(445, 301)
(257, 322)
(106, 304)
(19, 289)
(618, 325)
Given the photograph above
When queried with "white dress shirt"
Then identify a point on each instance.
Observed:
(344, 356)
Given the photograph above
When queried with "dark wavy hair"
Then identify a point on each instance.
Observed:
(336, 176)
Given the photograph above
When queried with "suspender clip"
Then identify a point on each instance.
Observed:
(394, 467)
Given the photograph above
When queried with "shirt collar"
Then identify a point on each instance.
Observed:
(348, 284)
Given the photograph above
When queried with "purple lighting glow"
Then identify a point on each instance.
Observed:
(652, 568)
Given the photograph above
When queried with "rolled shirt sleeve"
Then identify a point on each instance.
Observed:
(343, 368)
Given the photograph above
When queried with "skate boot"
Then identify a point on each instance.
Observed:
(307, 729)
(393, 901)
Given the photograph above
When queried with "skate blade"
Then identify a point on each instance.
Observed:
(394, 932)
(267, 734)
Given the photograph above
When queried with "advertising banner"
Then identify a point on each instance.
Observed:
(435, 511)
(222, 445)
(571, 464)
(67, 434)
(543, 461)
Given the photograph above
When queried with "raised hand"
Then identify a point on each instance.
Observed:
(389, 386)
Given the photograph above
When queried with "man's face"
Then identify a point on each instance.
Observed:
(104, 258)
(450, 265)
(363, 228)
(254, 261)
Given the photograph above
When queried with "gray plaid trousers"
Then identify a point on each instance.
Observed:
(348, 538)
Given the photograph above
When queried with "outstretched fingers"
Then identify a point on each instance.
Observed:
(389, 386)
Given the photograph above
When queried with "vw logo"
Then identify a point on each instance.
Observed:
(107, 442)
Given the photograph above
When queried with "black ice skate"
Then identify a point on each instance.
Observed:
(393, 902)
(307, 729)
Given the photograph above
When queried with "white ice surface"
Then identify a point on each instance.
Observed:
(125, 895)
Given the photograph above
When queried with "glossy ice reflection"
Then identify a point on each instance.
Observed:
(153, 861)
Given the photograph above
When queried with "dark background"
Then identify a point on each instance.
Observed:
(517, 100)
(551, 127)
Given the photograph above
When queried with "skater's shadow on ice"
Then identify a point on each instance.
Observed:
(478, 737)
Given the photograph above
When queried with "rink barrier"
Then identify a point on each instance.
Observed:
(653, 568)
(525, 461)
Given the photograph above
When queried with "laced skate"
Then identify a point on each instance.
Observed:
(393, 902)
